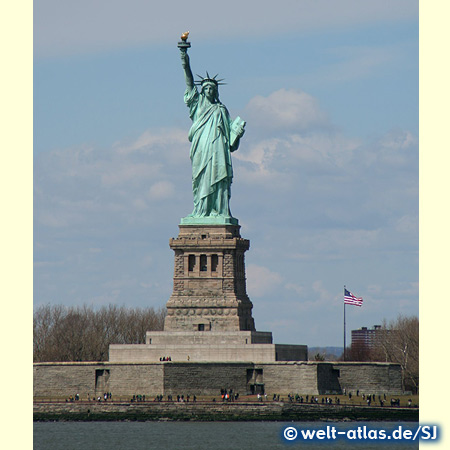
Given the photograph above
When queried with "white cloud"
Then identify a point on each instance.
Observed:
(139, 204)
(407, 224)
(350, 240)
(78, 185)
(52, 219)
(399, 139)
(299, 290)
(117, 174)
(260, 155)
(278, 162)
(261, 280)
(283, 110)
(300, 136)
(356, 62)
(321, 291)
(150, 139)
(325, 148)
(161, 190)
(396, 149)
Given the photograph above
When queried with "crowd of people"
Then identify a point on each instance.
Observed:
(105, 397)
(228, 395)
(169, 398)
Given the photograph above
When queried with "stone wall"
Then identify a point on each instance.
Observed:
(205, 378)
(370, 378)
(198, 353)
(328, 379)
(53, 380)
(128, 379)
(295, 377)
(285, 352)
(64, 379)
(61, 380)
(207, 337)
(217, 411)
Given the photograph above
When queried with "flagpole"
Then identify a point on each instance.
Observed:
(344, 325)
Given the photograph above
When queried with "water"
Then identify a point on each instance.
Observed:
(195, 435)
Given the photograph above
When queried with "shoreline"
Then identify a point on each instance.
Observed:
(217, 411)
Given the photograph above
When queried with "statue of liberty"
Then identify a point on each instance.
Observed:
(213, 136)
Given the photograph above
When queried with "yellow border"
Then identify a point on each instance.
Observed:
(434, 216)
(16, 144)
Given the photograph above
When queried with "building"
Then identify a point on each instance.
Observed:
(367, 338)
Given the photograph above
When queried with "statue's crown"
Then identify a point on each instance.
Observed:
(204, 80)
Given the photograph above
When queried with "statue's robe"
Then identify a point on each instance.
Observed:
(212, 172)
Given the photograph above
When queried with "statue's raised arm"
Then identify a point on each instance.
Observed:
(183, 45)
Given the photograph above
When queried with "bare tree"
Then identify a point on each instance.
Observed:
(398, 342)
(84, 334)
(359, 352)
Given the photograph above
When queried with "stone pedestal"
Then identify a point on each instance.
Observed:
(209, 314)
(209, 291)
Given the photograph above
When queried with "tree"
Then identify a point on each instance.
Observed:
(359, 352)
(398, 342)
(319, 357)
(83, 334)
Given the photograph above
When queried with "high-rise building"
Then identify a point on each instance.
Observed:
(366, 337)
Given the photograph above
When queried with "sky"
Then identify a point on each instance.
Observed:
(325, 180)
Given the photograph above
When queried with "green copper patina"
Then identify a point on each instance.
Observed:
(213, 136)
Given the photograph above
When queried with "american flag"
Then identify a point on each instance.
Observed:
(350, 299)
